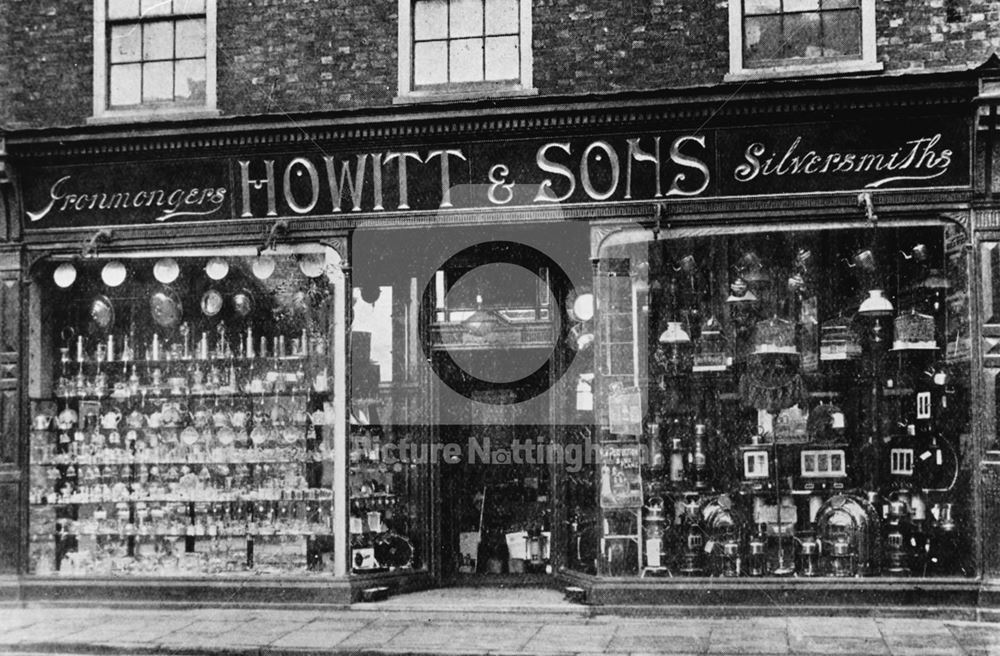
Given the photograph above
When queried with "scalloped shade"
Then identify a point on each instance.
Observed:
(876, 305)
(675, 334)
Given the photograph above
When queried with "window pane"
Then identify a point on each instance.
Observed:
(125, 85)
(430, 63)
(156, 7)
(157, 81)
(802, 35)
(189, 80)
(430, 19)
(841, 33)
(466, 60)
(190, 38)
(502, 62)
(466, 18)
(761, 6)
(801, 5)
(158, 41)
(126, 43)
(189, 6)
(123, 9)
(762, 38)
(501, 17)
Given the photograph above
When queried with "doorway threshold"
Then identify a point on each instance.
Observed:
(529, 601)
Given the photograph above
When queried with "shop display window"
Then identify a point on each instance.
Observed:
(387, 482)
(784, 401)
(182, 414)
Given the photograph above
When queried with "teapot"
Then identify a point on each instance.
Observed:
(202, 417)
(225, 435)
(154, 419)
(238, 418)
(220, 419)
(135, 419)
(41, 422)
(170, 414)
(111, 419)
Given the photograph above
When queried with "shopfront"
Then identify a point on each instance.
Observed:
(686, 352)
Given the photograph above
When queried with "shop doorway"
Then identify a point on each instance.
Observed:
(457, 343)
(496, 514)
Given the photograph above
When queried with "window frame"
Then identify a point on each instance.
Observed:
(103, 112)
(866, 62)
(407, 91)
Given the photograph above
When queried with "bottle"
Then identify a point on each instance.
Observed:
(698, 458)
(676, 462)
(656, 460)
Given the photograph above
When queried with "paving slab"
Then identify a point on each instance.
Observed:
(664, 627)
(259, 633)
(916, 644)
(112, 631)
(903, 626)
(372, 637)
(834, 627)
(838, 645)
(580, 639)
(313, 640)
(741, 639)
(673, 644)
(213, 627)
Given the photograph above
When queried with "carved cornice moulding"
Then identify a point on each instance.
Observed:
(494, 119)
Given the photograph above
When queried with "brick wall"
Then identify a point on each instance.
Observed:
(47, 62)
(604, 45)
(294, 55)
(916, 35)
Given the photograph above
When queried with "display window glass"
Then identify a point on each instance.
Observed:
(787, 400)
(183, 414)
(387, 481)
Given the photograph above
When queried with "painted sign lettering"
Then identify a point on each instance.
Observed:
(711, 163)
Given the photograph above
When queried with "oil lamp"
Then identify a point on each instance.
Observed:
(842, 561)
(654, 533)
(850, 525)
(724, 527)
(808, 564)
(731, 562)
(897, 537)
(694, 541)
(756, 558)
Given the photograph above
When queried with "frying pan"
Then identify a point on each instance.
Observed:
(211, 303)
(102, 313)
(243, 302)
(166, 308)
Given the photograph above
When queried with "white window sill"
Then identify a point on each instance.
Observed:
(814, 70)
(420, 96)
(160, 114)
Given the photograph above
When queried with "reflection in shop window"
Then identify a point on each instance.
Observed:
(372, 329)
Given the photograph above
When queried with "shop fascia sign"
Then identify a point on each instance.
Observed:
(711, 163)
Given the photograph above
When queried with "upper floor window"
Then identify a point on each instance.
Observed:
(789, 36)
(153, 56)
(464, 46)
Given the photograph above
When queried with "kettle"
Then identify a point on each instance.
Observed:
(41, 422)
(111, 419)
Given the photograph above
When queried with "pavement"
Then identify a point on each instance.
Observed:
(489, 621)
